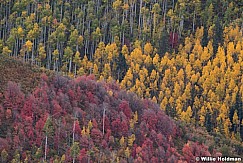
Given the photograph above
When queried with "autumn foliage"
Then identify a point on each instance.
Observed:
(65, 119)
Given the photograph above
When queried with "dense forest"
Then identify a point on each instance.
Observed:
(186, 56)
(65, 120)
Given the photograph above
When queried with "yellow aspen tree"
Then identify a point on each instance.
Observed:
(55, 58)
(153, 75)
(196, 103)
(236, 120)
(227, 124)
(122, 141)
(147, 93)
(187, 91)
(125, 52)
(238, 47)
(232, 85)
(129, 74)
(112, 51)
(83, 132)
(161, 96)
(179, 107)
(90, 124)
(127, 152)
(188, 45)
(234, 94)
(220, 90)
(109, 79)
(172, 101)
(194, 78)
(230, 48)
(188, 71)
(137, 68)
(163, 63)
(106, 71)
(81, 71)
(230, 60)
(180, 75)
(154, 99)
(177, 90)
(143, 74)
(100, 56)
(209, 107)
(167, 92)
(211, 31)
(135, 117)
(77, 61)
(84, 63)
(96, 70)
(164, 103)
(156, 61)
(6, 50)
(192, 58)
(205, 56)
(131, 139)
(131, 123)
(41, 52)
(29, 45)
(167, 77)
(236, 71)
(148, 61)
(102, 79)
(202, 114)
(210, 47)
(139, 92)
(199, 33)
(197, 49)
(137, 56)
(197, 65)
(20, 32)
(186, 115)
(80, 40)
(148, 49)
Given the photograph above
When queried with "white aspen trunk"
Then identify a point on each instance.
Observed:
(131, 19)
(45, 147)
(165, 11)
(70, 65)
(32, 54)
(139, 18)
(75, 69)
(181, 25)
(173, 38)
(103, 124)
(54, 66)
(154, 25)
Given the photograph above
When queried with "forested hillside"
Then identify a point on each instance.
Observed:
(82, 120)
(185, 55)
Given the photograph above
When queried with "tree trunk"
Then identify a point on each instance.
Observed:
(45, 147)
(193, 22)
(70, 65)
(103, 124)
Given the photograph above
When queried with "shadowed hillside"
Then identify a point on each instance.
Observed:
(17, 71)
